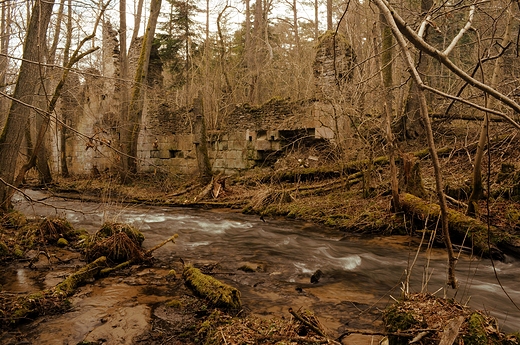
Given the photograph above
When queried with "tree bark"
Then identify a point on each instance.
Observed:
(67, 111)
(138, 93)
(137, 21)
(12, 134)
(123, 86)
(387, 80)
(5, 32)
(201, 142)
(329, 15)
(411, 122)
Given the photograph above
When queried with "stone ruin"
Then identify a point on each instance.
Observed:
(251, 136)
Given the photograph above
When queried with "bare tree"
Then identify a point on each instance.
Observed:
(478, 189)
(12, 134)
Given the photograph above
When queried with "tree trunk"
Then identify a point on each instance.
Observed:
(316, 21)
(138, 92)
(463, 227)
(329, 15)
(201, 142)
(256, 43)
(137, 21)
(123, 86)
(5, 32)
(12, 134)
(295, 27)
(387, 80)
(67, 111)
(411, 121)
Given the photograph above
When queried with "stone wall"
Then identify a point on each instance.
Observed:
(247, 137)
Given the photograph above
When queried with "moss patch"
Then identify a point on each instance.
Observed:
(216, 292)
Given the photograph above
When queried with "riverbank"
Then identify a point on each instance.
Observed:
(149, 309)
(352, 198)
(345, 199)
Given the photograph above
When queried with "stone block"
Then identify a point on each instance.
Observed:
(263, 145)
(324, 132)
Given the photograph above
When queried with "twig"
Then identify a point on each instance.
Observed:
(171, 239)
(307, 323)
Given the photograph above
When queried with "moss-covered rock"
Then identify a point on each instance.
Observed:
(62, 242)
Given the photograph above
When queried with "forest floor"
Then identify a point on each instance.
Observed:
(353, 198)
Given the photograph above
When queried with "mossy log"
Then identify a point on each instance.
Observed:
(216, 292)
(44, 302)
(461, 226)
(84, 274)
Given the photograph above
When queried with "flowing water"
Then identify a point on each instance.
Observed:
(359, 274)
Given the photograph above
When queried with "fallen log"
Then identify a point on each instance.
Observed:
(340, 170)
(216, 292)
(44, 302)
(461, 226)
(84, 274)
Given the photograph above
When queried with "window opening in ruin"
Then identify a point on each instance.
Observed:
(176, 154)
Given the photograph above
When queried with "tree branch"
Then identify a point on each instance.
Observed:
(420, 44)
(462, 31)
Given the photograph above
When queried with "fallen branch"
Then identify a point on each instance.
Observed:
(127, 263)
(171, 239)
(307, 323)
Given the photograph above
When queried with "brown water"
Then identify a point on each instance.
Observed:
(359, 274)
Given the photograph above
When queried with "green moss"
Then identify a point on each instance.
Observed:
(4, 250)
(14, 219)
(513, 214)
(476, 334)
(215, 291)
(108, 229)
(62, 242)
(18, 252)
(460, 224)
(174, 303)
(396, 320)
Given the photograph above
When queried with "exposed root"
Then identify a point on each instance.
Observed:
(117, 248)
(51, 229)
(108, 229)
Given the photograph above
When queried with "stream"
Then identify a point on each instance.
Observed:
(360, 274)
